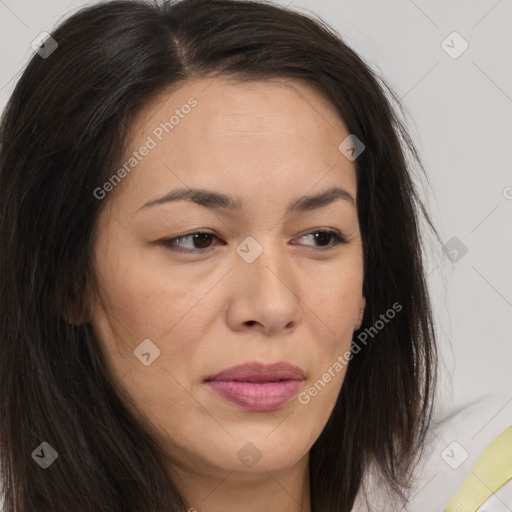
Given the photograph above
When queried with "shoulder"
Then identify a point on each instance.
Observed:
(457, 438)
(457, 441)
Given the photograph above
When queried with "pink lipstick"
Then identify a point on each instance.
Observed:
(256, 386)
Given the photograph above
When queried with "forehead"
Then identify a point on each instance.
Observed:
(273, 102)
(257, 135)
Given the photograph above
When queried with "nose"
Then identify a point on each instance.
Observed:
(267, 291)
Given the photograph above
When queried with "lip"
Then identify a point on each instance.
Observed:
(259, 372)
(256, 386)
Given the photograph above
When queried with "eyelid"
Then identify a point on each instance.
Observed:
(339, 237)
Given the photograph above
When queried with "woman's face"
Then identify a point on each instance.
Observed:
(262, 286)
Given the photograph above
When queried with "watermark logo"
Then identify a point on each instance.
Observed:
(249, 249)
(454, 455)
(351, 147)
(249, 455)
(45, 455)
(454, 45)
(44, 45)
(146, 352)
(455, 249)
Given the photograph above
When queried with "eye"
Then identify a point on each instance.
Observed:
(324, 235)
(200, 241)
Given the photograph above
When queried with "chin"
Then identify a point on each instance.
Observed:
(258, 453)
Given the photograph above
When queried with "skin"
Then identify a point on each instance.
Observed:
(268, 142)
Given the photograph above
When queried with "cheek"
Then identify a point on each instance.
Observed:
(138, 305)
(336, 302)
(334, 311)
(141, 301)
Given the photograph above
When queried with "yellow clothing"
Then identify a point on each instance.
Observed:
(490, 472)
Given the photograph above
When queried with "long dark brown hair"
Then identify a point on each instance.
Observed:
(63, 134)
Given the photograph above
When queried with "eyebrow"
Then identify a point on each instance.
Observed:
(216, 200)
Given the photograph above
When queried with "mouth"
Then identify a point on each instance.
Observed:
(257, 387)
(259, 372)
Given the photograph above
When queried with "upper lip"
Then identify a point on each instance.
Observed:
(259, 372)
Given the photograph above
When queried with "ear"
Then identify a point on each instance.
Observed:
(78, 315)
(74, 318)
(361, 314)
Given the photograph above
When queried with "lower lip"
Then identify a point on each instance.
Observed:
(253, 396)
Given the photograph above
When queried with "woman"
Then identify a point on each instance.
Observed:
(213, 290)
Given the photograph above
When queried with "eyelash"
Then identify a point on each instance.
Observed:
(168, 243)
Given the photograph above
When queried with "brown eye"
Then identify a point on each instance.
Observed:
(201, 241)
(198, 241)
(323, 237)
